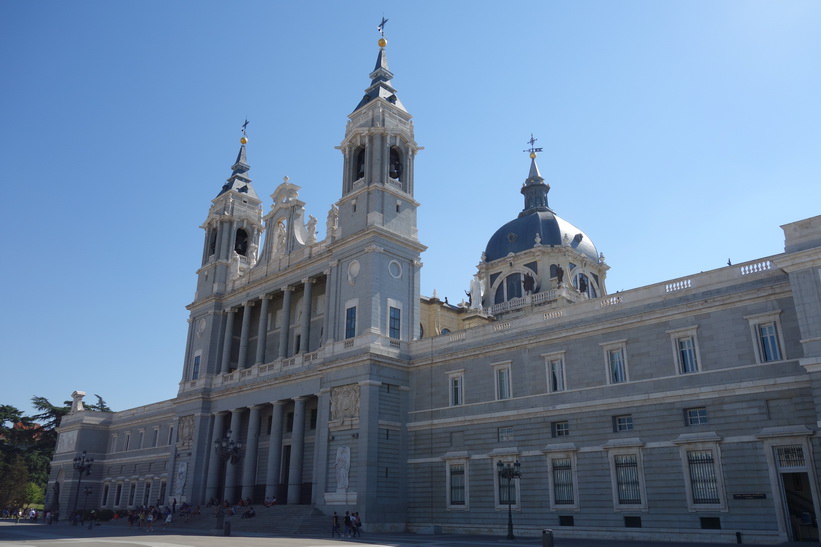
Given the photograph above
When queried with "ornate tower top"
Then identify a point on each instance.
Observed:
(381, 76)
(239, 179)
(534, 188)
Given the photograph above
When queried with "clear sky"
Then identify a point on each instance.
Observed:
(676, 134)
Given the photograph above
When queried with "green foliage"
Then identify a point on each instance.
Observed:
(35, 494)
(14, 478)
(101, 405)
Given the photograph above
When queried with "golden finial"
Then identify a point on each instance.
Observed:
(382, 42)
(244, 140)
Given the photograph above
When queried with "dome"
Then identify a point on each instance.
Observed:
(520, 235)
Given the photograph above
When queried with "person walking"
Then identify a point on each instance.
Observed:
(335, 526)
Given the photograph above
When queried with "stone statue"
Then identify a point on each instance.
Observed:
(77, 401)
(311, 229)
(252, 254)
(333, 221)
(477, 289)
(343, 466)
(559, 275)
(281, 237)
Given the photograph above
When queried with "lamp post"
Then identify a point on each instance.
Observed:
(82, 464)
(509, 472)
(227, 448)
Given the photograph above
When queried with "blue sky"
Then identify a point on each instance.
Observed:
(675, 134)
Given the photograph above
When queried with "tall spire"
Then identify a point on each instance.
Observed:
(381, 77)
(239, 179)
(534, 188)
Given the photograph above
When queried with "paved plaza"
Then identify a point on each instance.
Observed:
(63, 534)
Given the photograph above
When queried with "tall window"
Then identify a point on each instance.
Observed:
(628, 485)
(118, 497)
(132, 491)
(106, 489)
(562, 475)
(507, 490)
(768, 342)
(456, 388)
(457, 484)
(703, 479)
(618, 374)
(195, 372)
(394, 322)
(555, 374)
(170, 434)
(127, 441)
(685, 349)
(147, 494)
(350, 322)
(767, 337)
(503, 390)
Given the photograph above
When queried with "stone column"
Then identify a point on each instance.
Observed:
(274, 451)
(227, 342)
(329, 326)
(262, 332)
(285, 327)
(305, 327)
(242, 361)
(231, 468)
(249, 466)
(212, 484)
(297, 449)
(321, 445)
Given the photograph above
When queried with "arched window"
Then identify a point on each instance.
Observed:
(241, 242)
(395, 168)
(509, 289)
(584, 285)
(359, 164)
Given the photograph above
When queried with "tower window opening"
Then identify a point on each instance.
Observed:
(395, 168)
(359, 165)
(212, 243)
(241, 242)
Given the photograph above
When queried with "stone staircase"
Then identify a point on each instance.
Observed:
(278, 521)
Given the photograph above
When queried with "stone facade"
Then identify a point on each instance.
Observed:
(684, 410)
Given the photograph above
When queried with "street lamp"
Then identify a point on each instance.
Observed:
(227, 448)
(509, 472)
(82, 463)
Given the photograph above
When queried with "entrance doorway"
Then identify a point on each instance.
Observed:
(800, 508)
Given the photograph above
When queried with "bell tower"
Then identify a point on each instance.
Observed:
(376, 240)
(232, 230)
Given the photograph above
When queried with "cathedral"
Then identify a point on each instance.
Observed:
(317, 374)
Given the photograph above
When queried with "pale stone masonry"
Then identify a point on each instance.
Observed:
(683, 410)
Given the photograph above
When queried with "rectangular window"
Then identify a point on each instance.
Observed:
(147, 494)
(623, 423)
(617, 371)
(195, 372)
(628, 486)
(127, 441)
(555, 369)
(457, 484)
(314, 415)
(140, 443)
(766, 331)
(456, 394)
(350, 323)
(703, 480)
(505, 434)
(132, 491)
(768, 342)
(105, 495)
(790, 457)
(162, 491)
(394, 322)
(696, 416)
(687, 355)
(507, 489)
(156, 437)
(170, 434)
(118, 497)
(560, 429)
(503, 382)
(562, 472)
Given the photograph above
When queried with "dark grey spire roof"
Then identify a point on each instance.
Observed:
(239, 180)
(381, 83)
(537, 218)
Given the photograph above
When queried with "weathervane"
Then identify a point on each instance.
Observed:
(381, 27)
(244, 134)
(532, 149)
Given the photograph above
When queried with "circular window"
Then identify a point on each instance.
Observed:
(511, 237)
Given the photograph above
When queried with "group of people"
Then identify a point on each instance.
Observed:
(351, 522)
(29, 514)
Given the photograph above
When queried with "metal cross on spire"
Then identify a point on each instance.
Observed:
(381, 27)
(531, 142)
(244, 134)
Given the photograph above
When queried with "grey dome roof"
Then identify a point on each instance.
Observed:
(520, 235)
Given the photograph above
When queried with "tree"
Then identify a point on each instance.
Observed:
(101, 405)
(14, 478)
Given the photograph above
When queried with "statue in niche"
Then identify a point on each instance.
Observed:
(281, 236)
(343, 467)
(345, 402)
(559, 275)
(311, 230)
(252, 254)
(529, 284)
